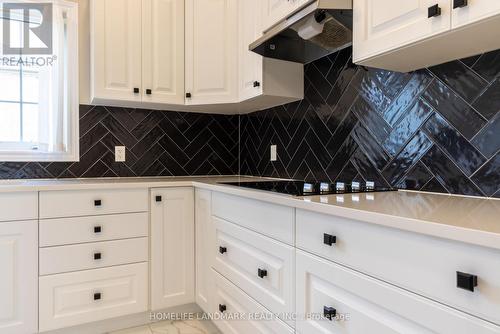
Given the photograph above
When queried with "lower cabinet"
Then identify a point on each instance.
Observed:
(92, 295)
(241, 314)
(334, 299)
(172, 247)
(19, 277)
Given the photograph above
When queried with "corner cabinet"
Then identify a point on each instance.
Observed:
(19, 278)
(408, 35)
(172, 247)
(137, 51)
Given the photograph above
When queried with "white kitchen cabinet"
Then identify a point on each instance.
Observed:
(211, 51)
(19, 277)
(382, 25)
(264, 82)
(116, 50)
(172, 247)
(163, 51)
(274, 11)
(137, 51)
(404, 36)
(470, 11)
(205, 247)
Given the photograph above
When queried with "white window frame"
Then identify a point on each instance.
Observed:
(72, 153)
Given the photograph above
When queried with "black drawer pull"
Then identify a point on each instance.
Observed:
(188, 95)
(158, 198)
(97, 229)
(329, 312)
(459, 4)
(222, 308)
(262, 273)
(434, 11)
(256, 84)
(136, 90)
(222, 250)
(97, 296)
(329, 239)
(97, 256)
(148, 91)
(97, 202)
(466, 281)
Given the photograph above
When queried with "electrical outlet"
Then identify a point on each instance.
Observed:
(119, 153)
(274, 153)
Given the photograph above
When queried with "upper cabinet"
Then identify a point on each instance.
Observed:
(211, 51)
(163, 51)
(116, 50)
(138, 51)
(408, 35)
(274, 11)
(187, 55)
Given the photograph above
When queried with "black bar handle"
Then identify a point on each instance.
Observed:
(262, 273)
(329, 239)
(434, 11)
(148, 91)
(97, 229)
(136, 90)
(188, 95)
(97, 296)
(97, 256)
(329, 312)
(466, 281)
(460, 4)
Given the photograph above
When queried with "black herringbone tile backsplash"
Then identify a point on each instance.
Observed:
(436, 129)
(158, 143)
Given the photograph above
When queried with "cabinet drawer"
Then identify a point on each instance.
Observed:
(275, 221)
(244, 254)
(228, 297)
(419, 263)
(72, 299)
(62, 259)
(18, 206)
(365, 305)
(66, 231)
(57, 204)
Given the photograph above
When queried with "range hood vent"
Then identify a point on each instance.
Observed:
(318, 29)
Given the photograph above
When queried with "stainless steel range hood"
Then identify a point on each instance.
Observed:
(318, 29)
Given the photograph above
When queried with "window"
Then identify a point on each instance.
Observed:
(38, 81)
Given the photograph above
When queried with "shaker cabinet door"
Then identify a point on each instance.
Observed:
(384, 25)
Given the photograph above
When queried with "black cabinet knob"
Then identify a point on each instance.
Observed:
(148, 91)
(97, 202)
(329, 239)
(459, 4)
(97, 296)
(256, 84)
(222, 250)
(136, 91)
(222, 308)
(262, 273)
(97, 229)
(188, 95)
(466, 281)
(434, 11)
(158, 198)
(97, 256)
(329, 312)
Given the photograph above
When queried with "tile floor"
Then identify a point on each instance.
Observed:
(173, 327)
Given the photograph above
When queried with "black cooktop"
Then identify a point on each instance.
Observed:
(303, 188)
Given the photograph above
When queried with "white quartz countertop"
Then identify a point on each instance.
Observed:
(468, 219)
